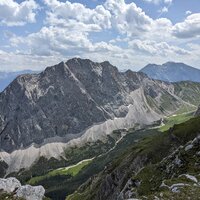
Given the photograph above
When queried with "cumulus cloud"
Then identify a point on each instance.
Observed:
(17, 14)
(14, 61)
(159, 1)
(188, 12)
(61, 42)
(163, 10)
(113, 14)
(153, 1)
(63, 13)
(190, 28)
(168, 1)
(128, 18)
(155, 48)
(69, 30)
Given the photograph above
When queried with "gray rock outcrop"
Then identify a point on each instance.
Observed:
(31, 193)
(12, 185)
(9, 185)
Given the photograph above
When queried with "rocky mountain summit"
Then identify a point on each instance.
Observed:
(76, 102)
(172, 72)
(66, 99)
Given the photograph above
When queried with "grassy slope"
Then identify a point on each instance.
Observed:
(73, 156)
(59, 185)
(72, 171)
(154, 148)
(176, 119)
(169, 171)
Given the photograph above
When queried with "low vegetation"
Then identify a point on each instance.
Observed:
(71, 171)
(146, 184)
(176, 119)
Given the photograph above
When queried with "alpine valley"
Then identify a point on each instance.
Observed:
(85, 130)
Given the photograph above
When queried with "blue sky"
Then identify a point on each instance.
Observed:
(130, 34)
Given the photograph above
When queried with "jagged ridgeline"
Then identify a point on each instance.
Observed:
(70, 112)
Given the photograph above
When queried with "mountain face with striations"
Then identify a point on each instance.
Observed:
(78, 102)
(172, 72)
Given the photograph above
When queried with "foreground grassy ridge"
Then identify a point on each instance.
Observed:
(152, 176)
(190, 192)
(153, 149)
(72, 171)
(176, 119)
(172, 170)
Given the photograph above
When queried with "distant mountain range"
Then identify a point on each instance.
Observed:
(78, 110)
(7, 77)
(80, 101)
(172, 72)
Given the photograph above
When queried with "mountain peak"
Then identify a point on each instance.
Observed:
(175, 64)
(62, 100)
(172, 72)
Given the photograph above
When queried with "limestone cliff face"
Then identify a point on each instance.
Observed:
(62, 102)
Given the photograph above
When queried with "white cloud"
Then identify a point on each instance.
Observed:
(70, 28)
(52, 41)
(14, 61)
(128, 18)
(163, 10)
(190, 28)
(188, 12)
(63, 13)
(168, 1)
(17, 14)
(159, 1)
(153, 1)
(125, 18)
(155, 48)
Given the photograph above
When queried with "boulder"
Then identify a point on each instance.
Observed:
(28, 192)
(9, 185)
(31, 192)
